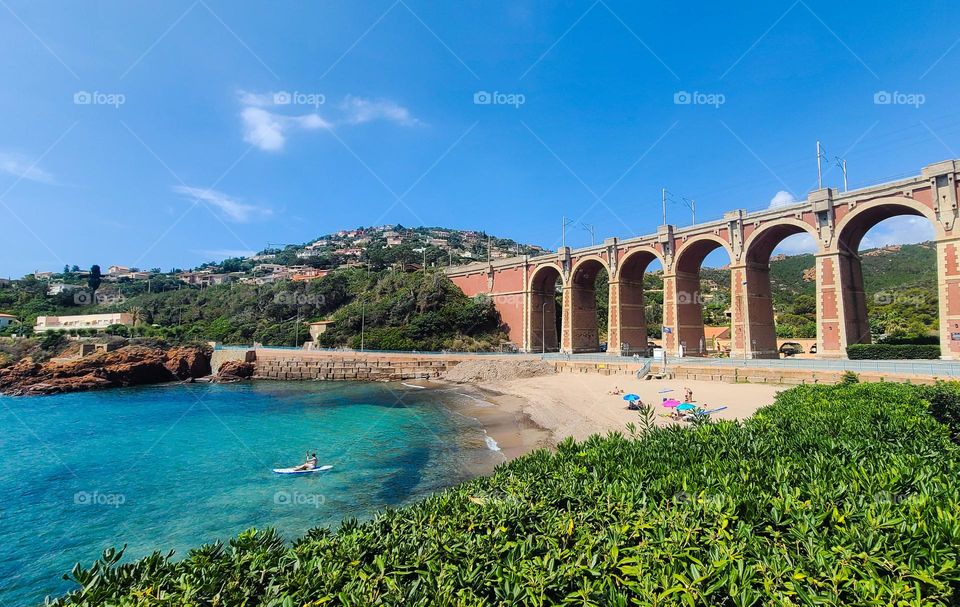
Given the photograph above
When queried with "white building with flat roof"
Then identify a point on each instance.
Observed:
(83, 321)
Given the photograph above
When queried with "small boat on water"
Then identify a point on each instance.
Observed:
(298, 470)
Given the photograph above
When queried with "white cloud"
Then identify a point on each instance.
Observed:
(231, 208)
(898, 230)
(782, 198)
(359, 111)
(20, 167)
(267, 128)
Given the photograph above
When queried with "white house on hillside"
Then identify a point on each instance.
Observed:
(83, 321)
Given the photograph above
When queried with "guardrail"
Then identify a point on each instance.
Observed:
(937, 368)
(369, 351)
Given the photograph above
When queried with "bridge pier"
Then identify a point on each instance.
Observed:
(627, 318)
(948, 289)
(753, 329)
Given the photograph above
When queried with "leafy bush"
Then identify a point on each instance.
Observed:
(944, 398)
(842, 495)
(849, 377)
(892, 352)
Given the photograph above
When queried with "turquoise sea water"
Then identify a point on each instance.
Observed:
(172, 467)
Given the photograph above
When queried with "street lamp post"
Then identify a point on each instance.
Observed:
(543, 328)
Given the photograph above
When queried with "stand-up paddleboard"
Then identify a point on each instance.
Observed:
(295, 471)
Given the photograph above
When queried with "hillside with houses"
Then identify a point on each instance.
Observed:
(388, 246)
(287, 294)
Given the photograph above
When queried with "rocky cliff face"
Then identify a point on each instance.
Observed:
(129, 366)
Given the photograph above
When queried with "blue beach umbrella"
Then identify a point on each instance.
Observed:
(685, 407)
(630, 397)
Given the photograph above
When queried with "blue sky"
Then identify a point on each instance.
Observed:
(160, 135)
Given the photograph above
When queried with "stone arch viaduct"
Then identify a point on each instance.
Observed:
(523, 288)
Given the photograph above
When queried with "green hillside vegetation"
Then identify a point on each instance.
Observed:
(845, 495)
(901, 291)
(421, 310)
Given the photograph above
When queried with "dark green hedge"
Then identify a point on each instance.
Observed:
(892, 351)
(842, 495)
(930, 340)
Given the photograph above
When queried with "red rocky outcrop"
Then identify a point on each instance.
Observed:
(234, 370)
(128, 366)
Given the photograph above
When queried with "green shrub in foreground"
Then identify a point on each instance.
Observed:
(892, 352)
(844, 495)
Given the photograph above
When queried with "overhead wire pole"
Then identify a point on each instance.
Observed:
(842, 163)
(819, 171)
(593, 232)
(563, 231)
(687, 202)
(663, 203)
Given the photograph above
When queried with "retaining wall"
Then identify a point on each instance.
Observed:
(786, 377)
(356, 367)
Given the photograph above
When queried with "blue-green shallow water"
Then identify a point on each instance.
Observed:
(172, 467)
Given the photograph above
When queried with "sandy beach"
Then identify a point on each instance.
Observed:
(533, 412)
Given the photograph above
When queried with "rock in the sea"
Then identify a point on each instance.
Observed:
(235, 370)
(128, 366)
(188, 363)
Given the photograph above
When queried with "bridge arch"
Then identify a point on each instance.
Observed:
(849, 293)
(637, 260)
(684, 297)
(690, 254)
(628, 307)
(581, 299)
(754, 309)
(759, 246)
(542, 315)
(855, 224)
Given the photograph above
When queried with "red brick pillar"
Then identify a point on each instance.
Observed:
(683, 314)
(627, 317)
(753, 332)
(669, 339)
(841, 304)
(583, 316)
(948, 282)
(566, 324)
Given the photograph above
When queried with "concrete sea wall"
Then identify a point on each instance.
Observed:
(377, 366)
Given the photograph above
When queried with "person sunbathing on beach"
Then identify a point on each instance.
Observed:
(616, 390)
(687, 395)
